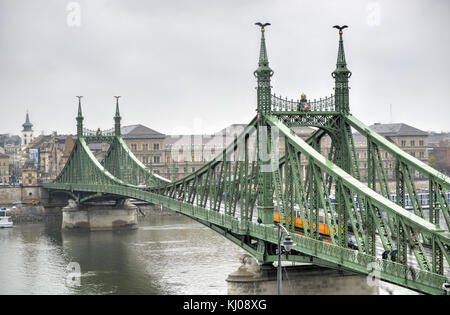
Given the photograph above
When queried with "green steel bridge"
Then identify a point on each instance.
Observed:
(238, 192)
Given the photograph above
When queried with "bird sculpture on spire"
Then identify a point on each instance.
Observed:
(262, 25)
(340, 28)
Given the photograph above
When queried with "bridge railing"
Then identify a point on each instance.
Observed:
(96, 133)
(367, 264)
(326, 104)
(284, 105)
(280, 104)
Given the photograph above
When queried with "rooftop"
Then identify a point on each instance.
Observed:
(140, 132)
(436, 138)
(398, 129)
(27, 125)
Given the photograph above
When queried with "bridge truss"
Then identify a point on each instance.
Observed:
(250, 184)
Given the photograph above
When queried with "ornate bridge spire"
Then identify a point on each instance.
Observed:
(264, 104)
(79, 119)
(263, 74)
(117, 118)
(341, 76)
(263, 61)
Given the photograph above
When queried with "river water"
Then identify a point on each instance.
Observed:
(165, 255)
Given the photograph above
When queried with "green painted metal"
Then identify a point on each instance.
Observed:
(237, 192)
(79, 119)
(265, 184)
(117, 118)
(388, 146)
(415, 279)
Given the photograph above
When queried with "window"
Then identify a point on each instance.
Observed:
(156, 159)
(421, 154)
(421, 143)
(145, 159)
(403, 143)
(133, 147)
(193, 169)
(156, 146)
(413, 153)
(145, 147)
(413, 143)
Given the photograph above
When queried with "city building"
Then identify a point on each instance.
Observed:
(439, 152)
(146, 144)
(409, 139)
(436, 138)
(10, 143)
(29, 173)
(4, 168)
(186, 153)
(175, 156)
(53, 151)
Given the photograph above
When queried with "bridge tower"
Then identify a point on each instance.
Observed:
(343, 136)
(341, 76)
(265, 186)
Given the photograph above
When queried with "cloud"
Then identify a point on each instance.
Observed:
(177, 61)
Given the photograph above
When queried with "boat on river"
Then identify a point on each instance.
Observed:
(5, 218)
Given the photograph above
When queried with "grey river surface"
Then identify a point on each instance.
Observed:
(165, 255)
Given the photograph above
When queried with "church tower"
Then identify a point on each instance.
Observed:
(27, 132)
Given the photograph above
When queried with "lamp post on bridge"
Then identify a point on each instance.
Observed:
(288, 243)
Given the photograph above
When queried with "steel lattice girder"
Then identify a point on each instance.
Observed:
(238, 183)
(116, 186)
(123, 164)
(358, 187)
(396, 151)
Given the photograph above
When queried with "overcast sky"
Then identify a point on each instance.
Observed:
(187, 66)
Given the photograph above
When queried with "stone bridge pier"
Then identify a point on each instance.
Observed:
(99, 216)
(305, 279)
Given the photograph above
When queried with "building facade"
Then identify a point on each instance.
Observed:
(439, 152)
(29, 173)
(4, 168)
(147, 145)
(53, 153)
(411, 140)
